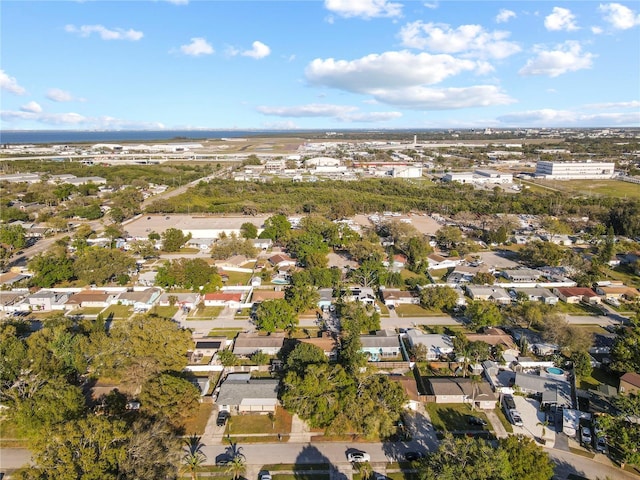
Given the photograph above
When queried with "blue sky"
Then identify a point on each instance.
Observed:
(332, 64)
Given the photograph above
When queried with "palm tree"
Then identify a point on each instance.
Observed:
(236, 467)
(365, 469)
(194, 457)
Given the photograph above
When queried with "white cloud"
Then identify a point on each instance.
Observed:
(178, 2)
(567, 57)
(619, 16)
(385, 70)
(33, 107)
(431, 5)
(198, 46)
(596, 30)
(560, 19)
(470, 39)
(309, 110)
(423, 98)
(77, 120)
(10, 84)
(105, 33)
(505, 15)
(548, 117)
(608, 105)
(345, 113)
(364, 8)
(58, 95)
(259, 50)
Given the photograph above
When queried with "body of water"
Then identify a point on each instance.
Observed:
(13, 137)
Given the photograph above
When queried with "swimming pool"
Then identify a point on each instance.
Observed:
(554, 370)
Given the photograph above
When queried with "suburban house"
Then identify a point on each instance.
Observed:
(47, 301)
(399, 261)
(203, 244)
(385, 343)
(496, 337)
(282, 260)
(9, 300)
(223, 299)
(327, 342)
(618, 292)
(539, 294)
(489, 293)
(140, 300)
(577, 295)
(181, 300)
(437, 262)
(555, 390)
(91, 299)
(462, 390)
(629, 383)
(262, 243)
(209, 346)
(246, 344)
(364, 295)
(399, 297)
(436, 345)
(239, 393)
(522, 275)
(262, 295)
(326, 298)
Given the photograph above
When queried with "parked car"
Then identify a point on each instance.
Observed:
(358, 457)
(413, 456)
(585, 436)
(223, 459)
(476, 421)
(601, 444)
(264, 476)
(516, 419)
(222, 418)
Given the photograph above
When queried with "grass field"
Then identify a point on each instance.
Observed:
(206, 313)
(118, 311)
(416, 311)
(248, 424)
(198, 422)
(454, 417)
(164, 312)
(609, 188)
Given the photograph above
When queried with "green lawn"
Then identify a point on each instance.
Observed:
(164, 312)
(198, 422)
(238, 278)
(230, 333)
(416, 311)
(118, 311)
(205, 313)
(577, 309)
(247, 424)
(609, 188)
(87, 311)
(454, 416)
(503, 420)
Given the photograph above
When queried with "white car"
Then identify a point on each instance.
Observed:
(358, 457)
(585, 436)
(265, 476)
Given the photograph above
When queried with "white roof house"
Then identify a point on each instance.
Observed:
(436, 344)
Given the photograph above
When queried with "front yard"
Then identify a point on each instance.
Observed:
(260, 424)
(453, 417)
(416, 311)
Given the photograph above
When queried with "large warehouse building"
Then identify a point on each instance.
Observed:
(574, 170)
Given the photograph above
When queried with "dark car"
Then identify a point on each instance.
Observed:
(413, 456)
(222, 418)
(476, 421)
(223, 459)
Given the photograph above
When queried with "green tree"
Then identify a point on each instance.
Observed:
(528, 461)
(483, 314)
(304, 354)
(582, 363)
(538, 254)
(170, 396)
(483, 278)
(448, 236)
(227, 358)
(101, 265)
(193, 457)
(273, 315)
(626, 351)
(13, 235)
(302, 298)
(276, 227)
(90, 448)
(50, 269)
(192, 273)
(438, 298)
(173, 239)
(248, 230)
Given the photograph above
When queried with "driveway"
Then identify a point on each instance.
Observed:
(533, 419)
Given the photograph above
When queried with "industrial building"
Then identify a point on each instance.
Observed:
(574, 170)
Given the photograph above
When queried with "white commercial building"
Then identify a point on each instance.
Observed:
(480, 177)
(574, 170)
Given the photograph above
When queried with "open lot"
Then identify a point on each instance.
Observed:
(611, 188)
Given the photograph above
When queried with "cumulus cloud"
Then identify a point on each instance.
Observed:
(505, 15)
(259, 50)
(596, 30)
(33, 107)
(561, 19)
(619, 16)
(198, 46)
(364, 8)
(425, 98)
(345, 113)
(77, 120)
(431, 5)
(57, 95)
(608, 105)
(104, 32)
(471, 39)
(385, 70)
(178, 2)
(548, 117)
(10, 84)
(567, 57)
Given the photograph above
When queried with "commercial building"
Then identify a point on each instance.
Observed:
(574, 170)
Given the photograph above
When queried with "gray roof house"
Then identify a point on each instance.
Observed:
(47, 300)
(528, 275)
(239, 393)
(539, 294)
(385, 343)
(247, 344)
(436, 344)
(488, 293)
(555, 391)
(462, 390)
(141, 299)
